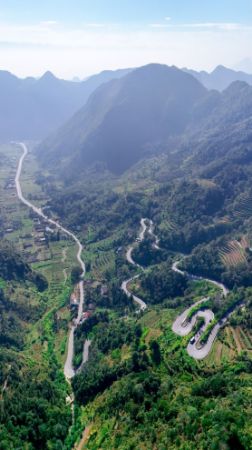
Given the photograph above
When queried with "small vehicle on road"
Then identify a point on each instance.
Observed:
(192, 340)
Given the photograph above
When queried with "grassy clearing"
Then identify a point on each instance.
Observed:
(2, 284)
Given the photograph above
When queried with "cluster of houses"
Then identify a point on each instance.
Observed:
(74, 305)
(10, 184)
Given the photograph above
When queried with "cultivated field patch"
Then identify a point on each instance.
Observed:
(234, 253)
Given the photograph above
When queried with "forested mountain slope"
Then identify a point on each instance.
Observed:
(153, 110)
(200, 179)
(13, 267)
(125, 120)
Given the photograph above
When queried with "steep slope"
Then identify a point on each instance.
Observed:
(222, 127)
(13, 267)
(125, 119)
(31, 108)
(220, 78)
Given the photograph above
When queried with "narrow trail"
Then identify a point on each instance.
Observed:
(65, 275)
(68, 368)
(64, 251)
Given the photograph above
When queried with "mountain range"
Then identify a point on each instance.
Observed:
(220, 78)
(124, 117)
(32, 108)
(151, 110)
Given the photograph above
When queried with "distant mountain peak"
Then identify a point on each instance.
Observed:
(220, 78)
(32, 108)
(48, 76)
(220, 68)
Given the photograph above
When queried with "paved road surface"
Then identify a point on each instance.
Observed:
(136, 299)
(151, 232)
(143, 229)
(68, 368)
(129, 258)
(221, 286)
(208, 315)
(182, 327)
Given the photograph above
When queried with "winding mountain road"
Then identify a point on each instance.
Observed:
(68, 368)
(124, 286)
(193, 348)
(181, 326)
(151, 233)
(221, 286)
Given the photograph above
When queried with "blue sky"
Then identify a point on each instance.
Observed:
(127, 11)
(80, 37)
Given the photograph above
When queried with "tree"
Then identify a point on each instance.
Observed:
(75, 274)
(155, 352)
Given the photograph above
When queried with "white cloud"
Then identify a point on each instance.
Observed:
(95, 25)
(214, 26)
(223, 26)
(48, 22)
(159, 25)
(33, 49)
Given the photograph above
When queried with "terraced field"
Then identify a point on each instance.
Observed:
(234, 253)
(243, 208)
(167, 224)
(104, 261)
(231, 342)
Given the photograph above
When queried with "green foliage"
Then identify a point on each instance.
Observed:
(32, 410)
(205, 261)
(155, 352)
(13, 267)
(162, 283)
(151, 408)
(75, 274)
(145, 255)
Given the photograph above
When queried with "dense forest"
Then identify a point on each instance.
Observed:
(154, 395)
(33, 412)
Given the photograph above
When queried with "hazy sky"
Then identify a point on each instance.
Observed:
(81, 37)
